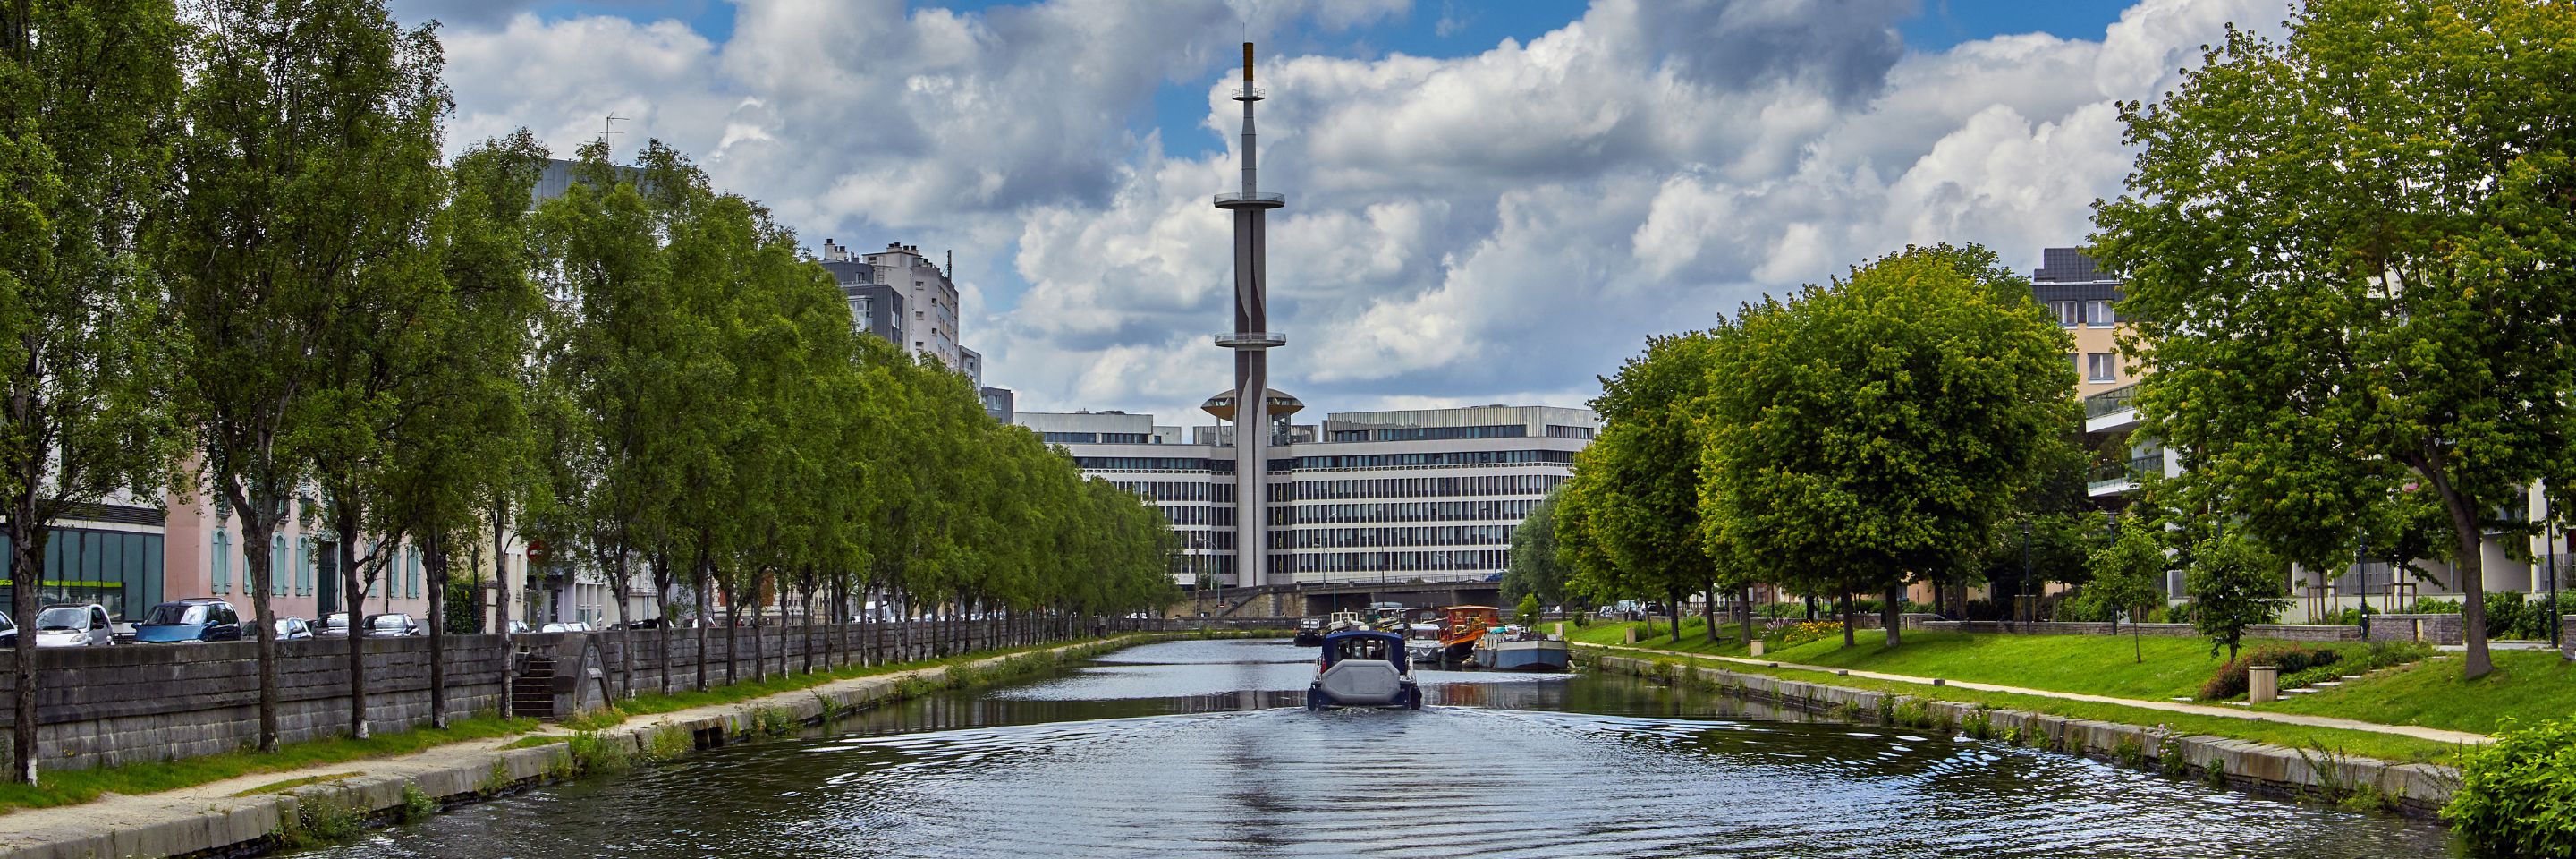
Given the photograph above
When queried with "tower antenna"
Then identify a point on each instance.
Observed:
(608, 126)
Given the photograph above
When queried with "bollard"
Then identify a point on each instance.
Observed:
(2262, 683)
(1757, 646)
(1632, 635)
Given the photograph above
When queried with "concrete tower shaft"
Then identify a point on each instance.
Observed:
(1251, 341)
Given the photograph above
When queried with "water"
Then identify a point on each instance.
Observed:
(1194, 749)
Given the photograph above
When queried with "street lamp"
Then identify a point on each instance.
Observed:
(2024, 584)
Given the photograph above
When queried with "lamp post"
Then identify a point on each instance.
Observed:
(2364, 562)
(2556, 623)
(2024, 584)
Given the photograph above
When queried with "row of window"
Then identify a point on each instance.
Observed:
(1432, 433)
(1448, 457)
(1220, 540)
(1399, 562)
(1442, 535)
(298, 571)
(1406, 511)
(1163, 490)
(2074, 313)
(1555, 431)
(1098, 437)
(1222, 517)
(1416, 487)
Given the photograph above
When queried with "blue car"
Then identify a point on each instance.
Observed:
(199, 619)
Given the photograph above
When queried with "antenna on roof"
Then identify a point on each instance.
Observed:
(608, 126)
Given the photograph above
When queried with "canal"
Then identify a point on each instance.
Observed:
(1193, 748)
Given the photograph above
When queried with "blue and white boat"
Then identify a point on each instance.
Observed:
(1364, 668)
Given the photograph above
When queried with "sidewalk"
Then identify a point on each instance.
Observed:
(2418, 732)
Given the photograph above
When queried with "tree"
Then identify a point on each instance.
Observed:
(2368, 287)
(2234, 583)
(275, 232)
(88, 92)
(1628, 522)
(2128, 575)
(1878, 427)
(1527, 611)
(1535, 568)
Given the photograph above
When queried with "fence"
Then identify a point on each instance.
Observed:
(116, 705)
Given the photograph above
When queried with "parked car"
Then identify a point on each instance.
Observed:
(293, 629)
(8, 631)
(74, 626)
(333, 625)
(518, 627)
(555, 627)
(193, 619)
(396, 625)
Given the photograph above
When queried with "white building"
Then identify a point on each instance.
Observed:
(1430, 495)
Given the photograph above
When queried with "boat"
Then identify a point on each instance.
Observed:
(1512, 648)
(1310, 632)
(1422, 643)
(1366, 668)
(1461, 626)
(1345, 621)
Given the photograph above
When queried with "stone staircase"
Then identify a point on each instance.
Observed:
(532, 693)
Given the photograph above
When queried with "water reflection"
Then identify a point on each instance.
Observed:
(1193, 749)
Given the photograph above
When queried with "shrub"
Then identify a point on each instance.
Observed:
(2312, 676)
(417, 805)
(1978, 724)
(320, 819)
(1803, 632)
(2514, 794)
(2383, 654)
(2229, 682)
(594, 753)
(2431, 605)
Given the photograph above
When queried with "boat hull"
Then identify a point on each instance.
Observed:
(1537, 656)
(1309, 638)
(1363, 683)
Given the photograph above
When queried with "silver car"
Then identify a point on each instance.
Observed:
(74, 626)
(293, 629)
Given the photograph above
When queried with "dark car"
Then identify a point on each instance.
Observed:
(197, 619)
(393, 626)
(333, 625)
(8, 632)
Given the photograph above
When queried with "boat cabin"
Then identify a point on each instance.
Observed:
(1365, 644)
(1467, 623)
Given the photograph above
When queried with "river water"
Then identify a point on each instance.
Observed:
(1197, 748)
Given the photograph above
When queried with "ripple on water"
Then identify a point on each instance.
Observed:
(1041, 770)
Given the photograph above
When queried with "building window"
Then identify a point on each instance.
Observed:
(2075, 360)
(2099, 367)
(223, 567)
(2099, 314)
(277, 561)
(2068, 313)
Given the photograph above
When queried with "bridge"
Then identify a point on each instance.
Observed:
(1301, 600)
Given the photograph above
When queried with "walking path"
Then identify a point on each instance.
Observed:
(212, 815)
(2416, 731)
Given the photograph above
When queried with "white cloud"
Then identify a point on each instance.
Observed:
(1512, 221)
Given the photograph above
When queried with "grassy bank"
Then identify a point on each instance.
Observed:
(2362, 743)
(72, 787)
(2527, 685)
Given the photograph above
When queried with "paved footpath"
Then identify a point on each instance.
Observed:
(2416, 731)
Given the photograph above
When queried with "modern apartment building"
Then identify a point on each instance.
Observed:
(1428, 494)
(2080, 295)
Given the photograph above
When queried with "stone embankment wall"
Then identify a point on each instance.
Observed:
(137, 703)
(2417, 789)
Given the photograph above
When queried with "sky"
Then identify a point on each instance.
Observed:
(1488, 202)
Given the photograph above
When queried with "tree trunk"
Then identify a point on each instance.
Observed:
(436, 560)
(26, 568)
(2469, 568)
(1851, 619)
(1744, 613)
(733, 640)
(1708, 613)
(809, 630)
(705, 615)
(1892, 614)
(258, 555)
(353, 596)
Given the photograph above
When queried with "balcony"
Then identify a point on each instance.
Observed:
(1252, 340)
(2116, 479)
(1253, 200)
(1250, 93)
(2112, 410)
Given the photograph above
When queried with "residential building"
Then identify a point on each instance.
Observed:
(2080, 296)
(1426, 494)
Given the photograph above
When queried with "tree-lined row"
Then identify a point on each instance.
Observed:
(235, 263)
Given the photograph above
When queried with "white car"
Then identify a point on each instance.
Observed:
(74, 626)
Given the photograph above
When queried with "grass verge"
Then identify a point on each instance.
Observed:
(2529, 685)
(71, 787)
(2388, 747)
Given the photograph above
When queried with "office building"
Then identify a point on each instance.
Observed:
(1427, 494)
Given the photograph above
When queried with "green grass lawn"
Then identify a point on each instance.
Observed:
(69, 787)
(2529, 685)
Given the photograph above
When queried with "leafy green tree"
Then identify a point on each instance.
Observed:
(1535, 567)
(1878, 427)
(2369, 286)
(2234, 583)
(89, 90)
(276, 240)
(1527, 610)
(1628, 522)
(2128, 575)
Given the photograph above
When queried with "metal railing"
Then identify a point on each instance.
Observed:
(2138, 468)
(1252, 338)
(2114, 400)
(1250, 93)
